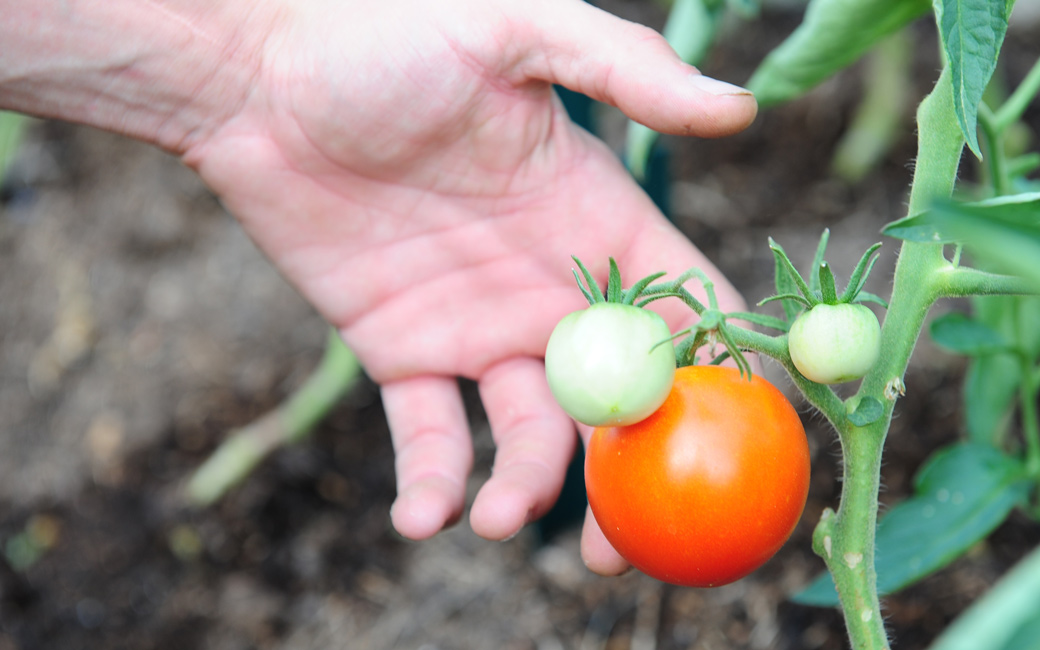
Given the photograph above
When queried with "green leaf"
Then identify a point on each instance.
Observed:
(1007, 618)
(1003, 233)
(833, 35)
(964, 222)
(961, 494)
(919, 228)
(972, 32)
(963, 335)
(992, 382)
(989, 391)
(868, 411)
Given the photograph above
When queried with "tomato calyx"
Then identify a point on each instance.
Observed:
(831, 338)
(821, 287)
(711, 330)
(615, 292)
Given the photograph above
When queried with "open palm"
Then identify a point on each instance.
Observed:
(412, 172)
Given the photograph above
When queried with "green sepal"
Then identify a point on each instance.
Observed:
(818, 259)
(585, 292)
(683, 351)
(828, 291)
(783, 263)
(860, 273)
(636, 289)
(614, 291)
(761, 319)
(786, 296)
(718, 361)
(734, 351)
(866, 296)
(592, 293)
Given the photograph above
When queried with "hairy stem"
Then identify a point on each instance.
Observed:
(959, 282)
(846, 539)
(823, 398)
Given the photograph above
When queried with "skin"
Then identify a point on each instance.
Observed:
(710, 486)
(833, 344)
(409, 169)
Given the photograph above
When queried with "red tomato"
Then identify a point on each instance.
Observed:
(709, 487)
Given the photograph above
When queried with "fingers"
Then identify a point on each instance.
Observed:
(632, 67)
(535, 441)
(433, 453)
(597, 553)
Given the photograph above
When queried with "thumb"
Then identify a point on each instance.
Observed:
(630, 66)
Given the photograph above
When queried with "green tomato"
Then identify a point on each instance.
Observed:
(832, 344)
(603, 367)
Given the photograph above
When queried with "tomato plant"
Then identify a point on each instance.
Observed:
(709, 487)
(965, 490)
(832, 344)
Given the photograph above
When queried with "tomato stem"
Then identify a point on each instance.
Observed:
(850, 554)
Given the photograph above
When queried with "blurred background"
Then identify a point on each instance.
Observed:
(139, 325)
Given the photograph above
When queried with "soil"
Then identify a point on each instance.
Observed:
(138, 326)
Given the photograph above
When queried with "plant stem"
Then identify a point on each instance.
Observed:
(846, 539)
(1019, 100)
(995, 157)
(959, 282)
(290, 423)
(1028, 390)
(823, 398)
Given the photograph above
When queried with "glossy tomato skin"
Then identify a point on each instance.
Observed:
(709, 487)
(833, 344)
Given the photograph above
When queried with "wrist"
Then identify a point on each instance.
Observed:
(167, 71)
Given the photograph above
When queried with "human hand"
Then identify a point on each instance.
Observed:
(410, 170)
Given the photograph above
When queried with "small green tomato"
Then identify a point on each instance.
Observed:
(603, 367)
(832, 344)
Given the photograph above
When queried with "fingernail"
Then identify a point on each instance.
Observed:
(716, 87)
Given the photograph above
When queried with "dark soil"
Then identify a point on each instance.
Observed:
(138, 325)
